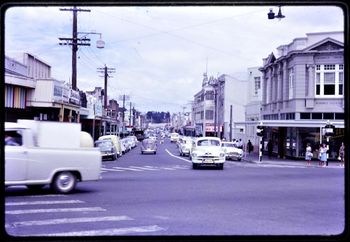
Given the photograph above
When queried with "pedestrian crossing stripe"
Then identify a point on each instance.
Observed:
(55, 210)
(143, 168)
(43, 202)
(67, 221)
(108, 232)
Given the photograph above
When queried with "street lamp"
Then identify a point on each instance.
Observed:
(75, 41)
(328, 132)
(271, 14)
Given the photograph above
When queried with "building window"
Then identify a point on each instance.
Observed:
(329, 80)
(257, 85)
(209, 95)
(291, 82)
(209, 114)
(305, 115)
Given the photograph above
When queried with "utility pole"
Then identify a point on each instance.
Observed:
(130, 115)
(75, 41)
(230, 123)
(106, 72)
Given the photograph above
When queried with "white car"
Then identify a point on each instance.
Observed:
(207, 151)
(231, 151)
(174, 137)
(185, 146)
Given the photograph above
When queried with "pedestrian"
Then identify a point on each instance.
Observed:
(269, 148)
(9, 140)
(240, 144)
(323, 155)
(250, 146)
(341, 154)
(308, 154)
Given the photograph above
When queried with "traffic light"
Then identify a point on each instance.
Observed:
(260, 130)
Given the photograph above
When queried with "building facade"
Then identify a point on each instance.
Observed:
(303, 88)
(218, 108)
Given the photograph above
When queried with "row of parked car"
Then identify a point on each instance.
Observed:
(112, 146)
(206, 150)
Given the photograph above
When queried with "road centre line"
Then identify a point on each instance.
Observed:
(108, 232)
(56, 210)
(177, 156)
(42, 202)
(68, 221)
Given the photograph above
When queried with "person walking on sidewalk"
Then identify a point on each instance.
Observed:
(308, 154)
(269, 148)
(341, 154)
(323, 155)
(250, 146)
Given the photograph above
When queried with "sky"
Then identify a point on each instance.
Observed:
(160, 53)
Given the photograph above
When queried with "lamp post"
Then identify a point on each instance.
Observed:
(328, 132)
(279, 16)
(76, 41)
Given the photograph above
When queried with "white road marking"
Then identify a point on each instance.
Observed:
(108, 232)
(109, 169)
(42, 202)
(145, 168)
(180, 158)
(127, 168)
(167, 168)
(56, 210)
(68, 221)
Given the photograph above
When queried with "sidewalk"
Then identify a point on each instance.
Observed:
(254, 158)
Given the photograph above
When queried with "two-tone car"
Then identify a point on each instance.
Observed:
(207, 151)
(231, 151)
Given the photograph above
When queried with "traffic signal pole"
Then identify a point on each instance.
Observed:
(260, 133)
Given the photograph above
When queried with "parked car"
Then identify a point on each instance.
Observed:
(231, 151)
(133, 140)
(126, 143)
(148, 146)
(122, 146)
(207, 151)
(174, 137)
(115, 139)
(107, 149)
(185, 146)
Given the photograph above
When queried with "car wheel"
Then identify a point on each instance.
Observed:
(64, 182)
(194, 166)
(221, 166)
(142, 152)
(155, 152)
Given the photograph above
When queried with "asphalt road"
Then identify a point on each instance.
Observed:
(162, 195)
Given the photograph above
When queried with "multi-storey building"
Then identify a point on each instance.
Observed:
(303, 88)
(219, 107)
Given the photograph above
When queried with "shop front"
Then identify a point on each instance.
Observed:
(289, 139)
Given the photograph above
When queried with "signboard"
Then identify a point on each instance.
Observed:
(211, 128)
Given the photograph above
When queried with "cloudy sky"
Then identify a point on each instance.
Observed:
(161, 53)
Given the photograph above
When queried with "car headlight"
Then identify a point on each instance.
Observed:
(222, 154)
(194, 154)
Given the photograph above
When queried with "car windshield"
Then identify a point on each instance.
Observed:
(105, 145)
(207, 142)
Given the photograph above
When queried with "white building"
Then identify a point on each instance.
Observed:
(219, 106)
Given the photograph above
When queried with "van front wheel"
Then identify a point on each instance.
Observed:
(64, 182)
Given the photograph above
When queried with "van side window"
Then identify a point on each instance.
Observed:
(13, 138)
